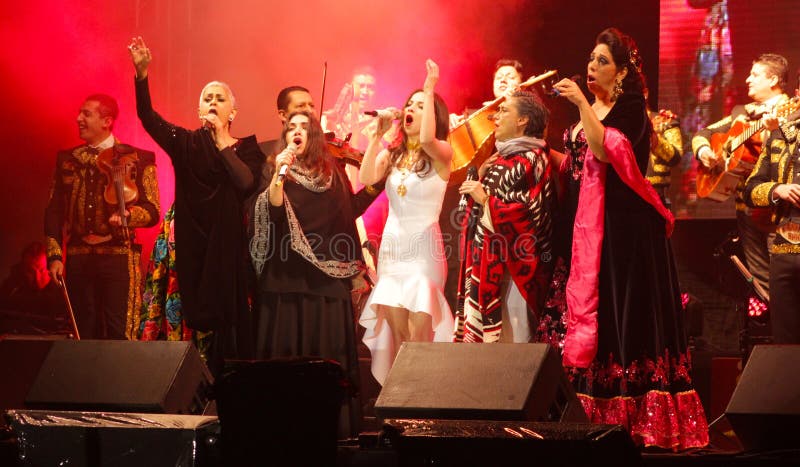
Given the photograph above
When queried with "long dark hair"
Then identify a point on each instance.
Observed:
(626, 55)
(316, 156)
(398, 147)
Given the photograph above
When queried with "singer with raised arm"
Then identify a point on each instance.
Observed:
(408, 303)
(625, 348)
(307, 255)
(214, 172)
(506, 235)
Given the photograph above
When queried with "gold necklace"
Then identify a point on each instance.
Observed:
(404, 167)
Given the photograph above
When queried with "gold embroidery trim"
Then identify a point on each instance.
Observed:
(760, 194)
(97, 249)
(139, 217)
(783, 248)
(150, 182)
(53, 248)
(669, 146)
(371, 190)
(132, 316)
(658, 180)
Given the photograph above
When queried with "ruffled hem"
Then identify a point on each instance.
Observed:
(417, 294)
(654, 419)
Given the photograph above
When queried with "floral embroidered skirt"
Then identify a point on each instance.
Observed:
(161, 313)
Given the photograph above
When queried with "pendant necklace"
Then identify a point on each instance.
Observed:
(405, 166)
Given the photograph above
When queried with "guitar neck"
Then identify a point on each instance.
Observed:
(752, 129)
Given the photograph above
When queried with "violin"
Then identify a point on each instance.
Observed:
(473, 139)
(341, 149)
(119, 164)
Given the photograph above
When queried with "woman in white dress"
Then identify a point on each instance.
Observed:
(408, 303)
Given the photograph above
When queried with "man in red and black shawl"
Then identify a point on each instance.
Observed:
(506, 236)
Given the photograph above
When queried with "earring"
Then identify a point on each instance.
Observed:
(617, 90)
(230, 119)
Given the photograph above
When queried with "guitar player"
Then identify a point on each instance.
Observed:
(765, 86)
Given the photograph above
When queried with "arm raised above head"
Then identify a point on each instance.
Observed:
(439, 150)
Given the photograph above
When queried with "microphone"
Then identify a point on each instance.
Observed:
(472, 174)
(292, 148)
(554, 92)
(392, 113)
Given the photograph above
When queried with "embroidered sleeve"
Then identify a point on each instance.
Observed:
(146, 212)
(761, 182)
(53, 250)
(668, 148)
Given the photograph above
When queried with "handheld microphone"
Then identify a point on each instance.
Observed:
(392, 113)
(554, 92)
(292, 147)
(472, 174)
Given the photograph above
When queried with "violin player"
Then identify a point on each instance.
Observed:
(88, 238)
(347, 115)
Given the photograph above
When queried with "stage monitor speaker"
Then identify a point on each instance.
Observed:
(509, 443)
(766, 403)
(21, 356)
(478, 382)
(122, 376)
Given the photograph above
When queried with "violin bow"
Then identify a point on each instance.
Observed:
(63, 285)
(322, 98)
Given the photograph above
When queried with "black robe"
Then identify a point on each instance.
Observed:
(210, 231)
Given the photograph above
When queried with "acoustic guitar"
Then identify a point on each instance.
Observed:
(737, 151)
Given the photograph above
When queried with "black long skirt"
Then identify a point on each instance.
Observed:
(306, 325)
(639, 317)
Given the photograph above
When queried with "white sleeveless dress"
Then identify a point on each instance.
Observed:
(412, 266)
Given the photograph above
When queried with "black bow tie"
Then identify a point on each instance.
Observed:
(92, 151)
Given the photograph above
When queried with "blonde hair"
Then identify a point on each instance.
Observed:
(224, 86)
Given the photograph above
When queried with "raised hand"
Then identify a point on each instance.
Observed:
(433, 75)
(570, 90)
(140, 55)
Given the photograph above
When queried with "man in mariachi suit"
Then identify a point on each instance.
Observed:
(765, 86)
(86, 232)
(775, 184)
(665, 152)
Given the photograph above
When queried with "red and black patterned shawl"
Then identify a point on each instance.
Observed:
(519, 207)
